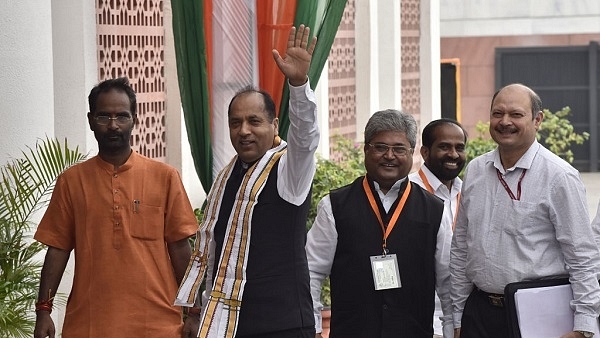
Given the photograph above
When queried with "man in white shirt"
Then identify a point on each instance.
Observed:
(444, 156)
(443, 152)
(523, 216)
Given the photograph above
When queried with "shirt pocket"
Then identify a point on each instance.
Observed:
(520, 218)
(147, 222)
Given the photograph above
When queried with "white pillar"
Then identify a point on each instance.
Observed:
(389, 53)
(378, 59)
(431, 106)
(75, 70)
(322, 95)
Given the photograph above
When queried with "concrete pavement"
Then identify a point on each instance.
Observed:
(592, 187)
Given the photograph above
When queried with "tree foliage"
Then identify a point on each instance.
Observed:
(25, 187)
(558, 134)
(331, 174)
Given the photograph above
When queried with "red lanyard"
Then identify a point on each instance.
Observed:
(392, 222)
(507, 188)
(430, 189)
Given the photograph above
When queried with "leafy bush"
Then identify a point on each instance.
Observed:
(25, 187)
(481, 143)
(331, 174)
(556, 132)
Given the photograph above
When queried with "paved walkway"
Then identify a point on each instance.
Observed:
(592, 187)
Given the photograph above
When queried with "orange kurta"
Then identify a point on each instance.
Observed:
(119, 224)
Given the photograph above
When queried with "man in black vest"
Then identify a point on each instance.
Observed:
(383, 241)
(251, 240)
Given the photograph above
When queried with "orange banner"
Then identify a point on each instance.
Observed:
(274, 20)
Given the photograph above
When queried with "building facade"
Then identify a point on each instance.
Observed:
(481, 34)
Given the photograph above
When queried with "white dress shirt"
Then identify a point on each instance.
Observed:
(451, 198)
(297, 166)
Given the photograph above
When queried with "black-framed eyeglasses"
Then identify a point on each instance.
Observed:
(382, 148)
(104, 120)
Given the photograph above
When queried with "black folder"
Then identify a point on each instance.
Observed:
(509, 300)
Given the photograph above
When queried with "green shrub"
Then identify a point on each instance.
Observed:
(558, 134)
(25, 187)
(331, 174)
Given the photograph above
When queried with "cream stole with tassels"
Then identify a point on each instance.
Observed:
(220, 315)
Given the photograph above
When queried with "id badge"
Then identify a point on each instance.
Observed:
(385, 272)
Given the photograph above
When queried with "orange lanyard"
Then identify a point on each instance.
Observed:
(430, 189)
(392, 222)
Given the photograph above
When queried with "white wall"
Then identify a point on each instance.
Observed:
(27, 102)
(518, 17)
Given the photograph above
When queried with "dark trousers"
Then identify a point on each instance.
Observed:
(481, 319)
(305, 332)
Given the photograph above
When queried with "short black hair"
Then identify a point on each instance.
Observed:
(120, 84)
(267, 101)
(427, 136)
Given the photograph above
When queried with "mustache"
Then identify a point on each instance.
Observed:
(502, 129)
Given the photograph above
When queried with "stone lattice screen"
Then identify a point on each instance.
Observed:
(131, 42)
(342, 80)
(411, 72)
(411, 22)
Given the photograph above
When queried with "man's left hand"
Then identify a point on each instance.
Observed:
(296, 61)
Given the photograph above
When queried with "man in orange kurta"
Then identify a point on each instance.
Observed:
(127, 218)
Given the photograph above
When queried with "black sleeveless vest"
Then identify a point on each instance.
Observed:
(277, 292)
(357, 309)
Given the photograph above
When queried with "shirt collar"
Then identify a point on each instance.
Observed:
(524, 162)
(133, 157)
(394, 189)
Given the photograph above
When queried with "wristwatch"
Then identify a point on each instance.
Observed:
(586, 334)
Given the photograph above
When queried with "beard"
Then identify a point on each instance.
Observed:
(113, 142)
(444, 173)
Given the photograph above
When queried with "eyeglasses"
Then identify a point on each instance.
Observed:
(104, 120)
(382, 148)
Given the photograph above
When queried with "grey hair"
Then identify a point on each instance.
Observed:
(392, 120)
